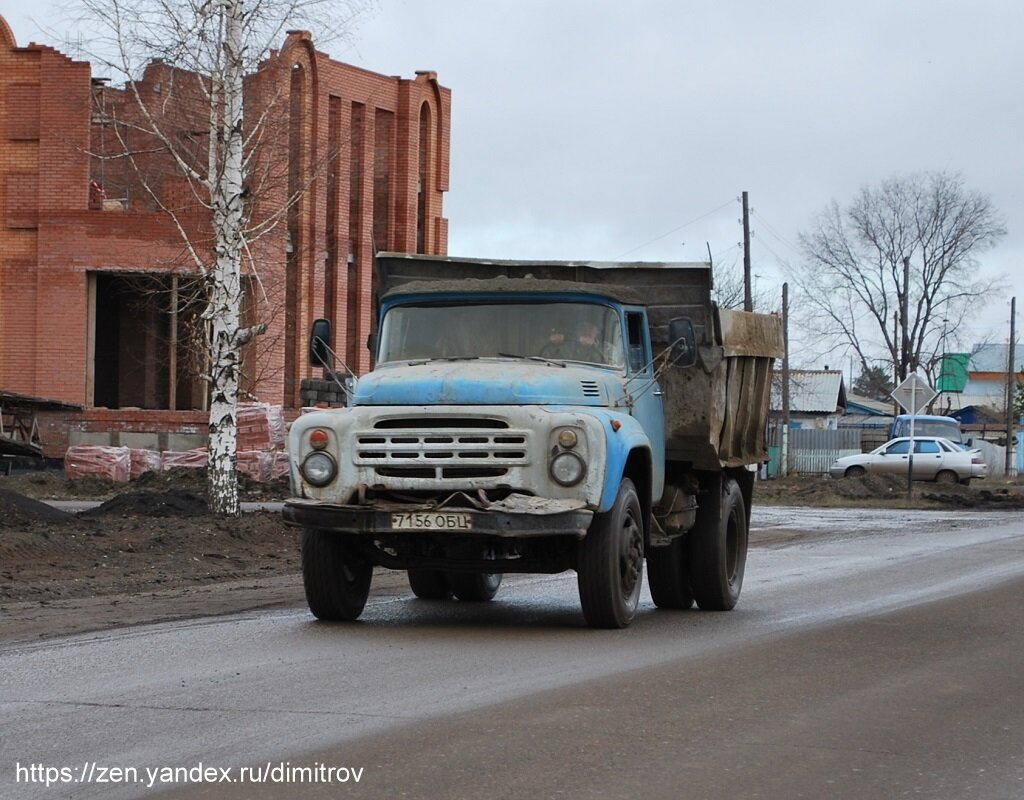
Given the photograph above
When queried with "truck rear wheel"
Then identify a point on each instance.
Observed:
(336, 579)
(718, 551)
(611, 563)
(668, 575)
(429, 584)
(475, 587)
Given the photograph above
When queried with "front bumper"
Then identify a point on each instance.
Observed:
(556, 520)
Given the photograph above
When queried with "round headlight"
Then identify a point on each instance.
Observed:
(319, 468)
(567, 438)
(568, 469)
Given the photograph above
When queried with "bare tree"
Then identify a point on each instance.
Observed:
(206, 109)
(729, 291)
(893, 275)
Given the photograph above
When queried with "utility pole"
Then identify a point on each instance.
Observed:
(784, 433)
(896, 377)
(904, 357)
(1011, 391)
(748, 297)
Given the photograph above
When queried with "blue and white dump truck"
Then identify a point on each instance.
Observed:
(538, 417)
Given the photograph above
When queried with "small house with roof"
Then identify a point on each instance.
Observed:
(817, 402)
(817, 398)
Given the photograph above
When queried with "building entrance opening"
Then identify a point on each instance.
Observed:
(146, 342)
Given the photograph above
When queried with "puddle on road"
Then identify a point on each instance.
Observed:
(853, 520)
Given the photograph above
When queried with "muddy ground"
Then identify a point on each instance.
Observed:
(152, 552)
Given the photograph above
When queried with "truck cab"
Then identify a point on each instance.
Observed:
(535, 356)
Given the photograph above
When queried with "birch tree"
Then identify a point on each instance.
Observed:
(207, 52)
(893, 276)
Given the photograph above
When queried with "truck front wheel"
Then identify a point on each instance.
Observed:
(718, 551)
(611, 563)
(336, 579)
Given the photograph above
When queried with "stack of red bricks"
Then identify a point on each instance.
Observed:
(112, 463)
(259, 452)
(260, 427)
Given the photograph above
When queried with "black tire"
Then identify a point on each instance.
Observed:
(611, 563)
(429, 584)
(336, 579)
(668, 575)
(854, 472)
(947, 478)
(475, 587)
(718, 552)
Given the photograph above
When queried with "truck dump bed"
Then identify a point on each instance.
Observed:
(715, 413)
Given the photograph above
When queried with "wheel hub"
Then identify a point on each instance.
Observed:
(632, 559)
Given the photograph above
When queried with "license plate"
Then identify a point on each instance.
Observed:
(432, 521)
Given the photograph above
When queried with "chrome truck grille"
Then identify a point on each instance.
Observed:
(442, 448)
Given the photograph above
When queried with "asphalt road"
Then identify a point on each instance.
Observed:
(881, 657)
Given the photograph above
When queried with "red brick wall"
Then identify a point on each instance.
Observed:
(50, 238)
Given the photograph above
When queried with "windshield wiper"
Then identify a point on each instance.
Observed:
(416, 362)
(550, 361)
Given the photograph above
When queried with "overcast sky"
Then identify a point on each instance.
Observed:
(609, 130)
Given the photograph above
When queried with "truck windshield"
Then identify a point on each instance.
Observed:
(585, 332)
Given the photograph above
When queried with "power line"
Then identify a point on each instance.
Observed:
(765, 245)
(736, 246)
(674, 230)
(774, 232)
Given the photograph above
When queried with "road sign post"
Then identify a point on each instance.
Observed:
(913, 394)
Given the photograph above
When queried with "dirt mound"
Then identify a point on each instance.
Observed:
(186, 479)
(983, 499)
(16, 509)
(115, 554)
(44, 484)
(194, 480)
(48, 485)
(991, 494)
(819, 490)
(143, 503)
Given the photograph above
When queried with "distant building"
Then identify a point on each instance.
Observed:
(872, 418)
(972, 387)
(93, 305)
(817, 398)
(813, 439)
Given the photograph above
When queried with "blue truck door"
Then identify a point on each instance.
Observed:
(643, 387)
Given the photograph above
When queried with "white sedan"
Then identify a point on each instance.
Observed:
(935, 459)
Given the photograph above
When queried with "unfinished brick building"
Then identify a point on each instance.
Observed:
(94, 308)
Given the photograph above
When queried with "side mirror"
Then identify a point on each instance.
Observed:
(683, 342)
(371, 344)
(320, 344)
